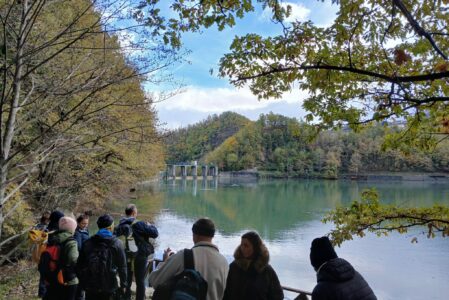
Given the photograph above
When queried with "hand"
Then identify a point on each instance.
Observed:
(167, 253)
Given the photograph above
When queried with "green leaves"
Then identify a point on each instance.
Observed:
(369, 215)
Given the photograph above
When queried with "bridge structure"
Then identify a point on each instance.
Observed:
(190, 169)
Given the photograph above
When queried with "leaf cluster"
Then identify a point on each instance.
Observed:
(368, 215)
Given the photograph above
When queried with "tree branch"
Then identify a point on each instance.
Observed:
(392, 79)
(419, 30)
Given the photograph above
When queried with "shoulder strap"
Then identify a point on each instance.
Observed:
(189, 263)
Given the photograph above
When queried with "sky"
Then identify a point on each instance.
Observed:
(205, 93)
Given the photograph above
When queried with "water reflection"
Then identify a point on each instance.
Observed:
(273, 207)
(287, 215)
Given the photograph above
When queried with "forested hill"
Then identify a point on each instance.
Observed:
(284, 146)
(194, 141)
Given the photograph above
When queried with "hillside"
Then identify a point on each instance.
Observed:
(282, 146)
(194, 141)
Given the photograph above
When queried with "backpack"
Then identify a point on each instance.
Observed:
(98, 274)
(188, 285)
(38, 241)
(51, 264)
(126, 231)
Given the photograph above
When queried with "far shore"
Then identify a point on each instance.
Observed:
(368, 176)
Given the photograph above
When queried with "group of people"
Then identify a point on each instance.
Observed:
(90, 265)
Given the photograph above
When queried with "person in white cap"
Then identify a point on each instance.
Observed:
(61, 245)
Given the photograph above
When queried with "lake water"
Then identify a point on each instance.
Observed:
(287, 215)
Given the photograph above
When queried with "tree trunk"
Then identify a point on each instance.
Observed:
(8, 134)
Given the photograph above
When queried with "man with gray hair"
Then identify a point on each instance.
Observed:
(208, 261)
(124, 228)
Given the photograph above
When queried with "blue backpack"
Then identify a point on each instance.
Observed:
(188, 285)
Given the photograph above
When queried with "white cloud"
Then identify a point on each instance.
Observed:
(298, 12)
(216, 100)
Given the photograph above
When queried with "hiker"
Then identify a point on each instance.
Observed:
(43, 222)
(141, 232)
(81, 232)
(102, 257)
(58, 261)
(250, 276)
(52, 226)
(337, 279)
(38, 236)
(81, 235)
(208, 261)
(124, 229)
(55, 216)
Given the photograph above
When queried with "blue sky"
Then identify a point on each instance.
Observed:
(206, 94)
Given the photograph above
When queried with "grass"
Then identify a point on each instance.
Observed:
(19, 281)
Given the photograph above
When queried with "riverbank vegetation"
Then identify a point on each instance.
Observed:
(76, 125)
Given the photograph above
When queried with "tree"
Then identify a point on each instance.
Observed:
(379, 60)
(73, 114)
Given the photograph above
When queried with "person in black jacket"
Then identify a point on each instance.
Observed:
(101, 258)
(142, 232)
(250, 276)
(124, 229)
(337, 279)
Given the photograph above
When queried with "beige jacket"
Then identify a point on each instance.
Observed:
(208, 261)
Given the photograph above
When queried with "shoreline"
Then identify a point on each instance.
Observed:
(369, 176)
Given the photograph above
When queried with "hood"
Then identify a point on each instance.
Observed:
(336, 270)
(126, 220)
(100, 238)
(59, 236)
(259, 264)
(83, 231)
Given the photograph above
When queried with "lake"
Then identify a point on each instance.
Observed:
(287, 215)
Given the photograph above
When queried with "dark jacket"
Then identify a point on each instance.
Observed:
(69, 254)
(81, 235)
(124, 227)
(252, 280)
(118, 259)
(337, 280)
(142, 232)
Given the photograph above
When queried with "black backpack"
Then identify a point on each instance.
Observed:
(98, 273)
(188, 285)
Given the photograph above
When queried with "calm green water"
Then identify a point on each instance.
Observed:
(287, 214)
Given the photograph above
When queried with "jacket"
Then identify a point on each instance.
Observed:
(69, 251)
(124, 227)
(118, 259)
(252, 280)
(337, 280)
(142, 232)
(81, 235)
(212, 266)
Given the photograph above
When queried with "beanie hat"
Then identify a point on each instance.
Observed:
(204, 227)
(321, 251)
(55, 216)
(68, 224)
(105, 221)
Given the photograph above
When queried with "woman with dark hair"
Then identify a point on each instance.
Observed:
(250, 276)
(81, 232)
(81, 235)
